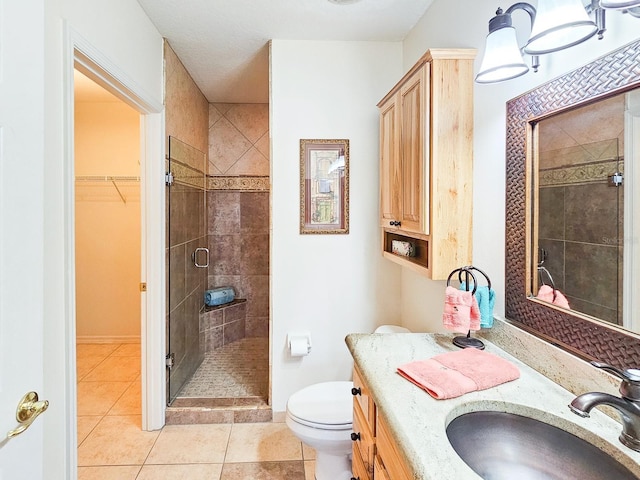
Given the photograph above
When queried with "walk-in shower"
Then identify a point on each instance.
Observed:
(217, 235)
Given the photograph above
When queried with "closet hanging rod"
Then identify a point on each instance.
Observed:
(106, 178)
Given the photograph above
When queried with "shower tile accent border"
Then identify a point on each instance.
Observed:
(239, 183)
(186, 175)
(579, 174)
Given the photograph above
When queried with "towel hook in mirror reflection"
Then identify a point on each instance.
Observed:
(542, 272)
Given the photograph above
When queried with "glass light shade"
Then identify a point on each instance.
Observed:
(559, 24)
(619, 3)
(502, 58)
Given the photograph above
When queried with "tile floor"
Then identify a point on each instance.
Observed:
(111, 444)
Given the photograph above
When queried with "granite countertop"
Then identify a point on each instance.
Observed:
(418, 422)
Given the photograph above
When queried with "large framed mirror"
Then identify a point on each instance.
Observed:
(572, 192)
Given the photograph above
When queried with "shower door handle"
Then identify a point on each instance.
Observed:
(194, 257)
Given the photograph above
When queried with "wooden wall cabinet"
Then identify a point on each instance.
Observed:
(426, 162)
(375, 456)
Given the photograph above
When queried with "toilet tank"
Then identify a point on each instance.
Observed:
(391, 329)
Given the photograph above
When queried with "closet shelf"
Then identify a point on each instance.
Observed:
(109, 178)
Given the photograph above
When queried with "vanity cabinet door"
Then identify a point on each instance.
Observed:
(389, 163)
(363, 399)
(403, 190)
(413, 163)
(364, 414)
(363, 439)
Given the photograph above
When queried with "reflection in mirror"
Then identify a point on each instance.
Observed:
(580, 219)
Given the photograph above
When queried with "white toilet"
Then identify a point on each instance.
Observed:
(321, 416)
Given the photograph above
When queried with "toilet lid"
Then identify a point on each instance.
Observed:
(328, 403)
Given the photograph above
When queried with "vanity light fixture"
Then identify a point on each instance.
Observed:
(502, 56)
(619, 4)
(559, 24)
(555, 25)
(632, 7)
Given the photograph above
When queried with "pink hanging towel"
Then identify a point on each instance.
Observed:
(461, 312)
(548, 294)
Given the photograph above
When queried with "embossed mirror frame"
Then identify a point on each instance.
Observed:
(614, 73)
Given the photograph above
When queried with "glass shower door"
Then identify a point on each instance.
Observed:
(187, 261)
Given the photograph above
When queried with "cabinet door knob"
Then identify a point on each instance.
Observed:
(355, 436)
(395, 223)
(356, 391)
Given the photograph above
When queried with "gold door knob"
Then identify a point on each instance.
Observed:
(28, 410)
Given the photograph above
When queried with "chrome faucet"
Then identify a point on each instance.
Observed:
(628, 406)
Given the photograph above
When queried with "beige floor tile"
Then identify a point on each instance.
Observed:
(108, 473)
(190, 444)
(85, 425)
(262, 442)
(205, 471)
(308, 453)
(127, 350)
(117, 441)
(95, 349)
(309, 470)
(130, 403)
(97, 398)
(263, 471)
(115, 369)
(85, 364)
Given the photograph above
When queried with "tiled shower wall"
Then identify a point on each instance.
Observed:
(238, 207)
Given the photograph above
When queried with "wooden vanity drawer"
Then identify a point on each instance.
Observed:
(379, 472)
(358, 469)
(364, 400)
(387, 455)
(363, 440)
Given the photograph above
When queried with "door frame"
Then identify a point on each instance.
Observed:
(80, 54)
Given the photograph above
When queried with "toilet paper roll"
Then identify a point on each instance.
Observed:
(299, 346)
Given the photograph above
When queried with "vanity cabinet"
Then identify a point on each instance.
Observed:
(363, 435)
(426, 163)
(375, 456)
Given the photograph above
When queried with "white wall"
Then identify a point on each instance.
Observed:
(107, 236)
(456, 23)
(330, 285)
(123, 34)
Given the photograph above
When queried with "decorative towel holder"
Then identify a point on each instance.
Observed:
(468, 341)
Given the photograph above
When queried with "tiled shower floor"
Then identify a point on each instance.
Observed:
(237, 370)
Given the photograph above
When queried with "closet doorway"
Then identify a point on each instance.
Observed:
(107, 257)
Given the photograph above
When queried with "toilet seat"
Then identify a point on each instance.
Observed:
(327, 406)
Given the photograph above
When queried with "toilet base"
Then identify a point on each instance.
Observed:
(332, 467)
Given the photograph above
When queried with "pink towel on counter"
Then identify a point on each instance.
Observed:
(461, 312)
(452, 374)
(546, 293)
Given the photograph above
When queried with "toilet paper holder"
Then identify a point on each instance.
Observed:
(299, 344)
